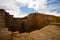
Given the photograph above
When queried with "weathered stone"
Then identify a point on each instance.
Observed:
(50, 32)
(17, 24)
(2, 18)
(15, 36)
(5, 34)
(24, 36)
(34, 21)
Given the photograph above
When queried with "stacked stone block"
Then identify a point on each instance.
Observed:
(5, 34)
(9, 21)
(15, 36)
(17, 24)
(35, 22)
(2, 18)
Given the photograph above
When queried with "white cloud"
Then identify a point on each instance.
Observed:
(23, 1)
(38, 4)
(12, 6)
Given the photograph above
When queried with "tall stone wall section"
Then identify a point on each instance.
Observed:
(35, 21)
(30, 22)
(17, 24)
(2, 18)
(9, 21)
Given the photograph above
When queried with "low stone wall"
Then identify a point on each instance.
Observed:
(5, 34)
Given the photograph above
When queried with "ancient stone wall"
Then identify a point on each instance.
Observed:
(17, 24)
(9, 21)
(30, 22)
(31, 25)
(34, 21)
(41, 20)
(5, 34)
(2, 18)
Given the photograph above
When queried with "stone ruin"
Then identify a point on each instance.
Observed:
(34, 21)
(32, 27)
(27, 24)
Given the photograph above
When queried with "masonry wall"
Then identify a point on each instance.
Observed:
(2, 18)
(9, 21)
(17, 24)
(30, 23)
(34, 21)
(14, 24)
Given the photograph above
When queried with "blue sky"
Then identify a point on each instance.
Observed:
(55, 3)
(25, 9)
(21, 8)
